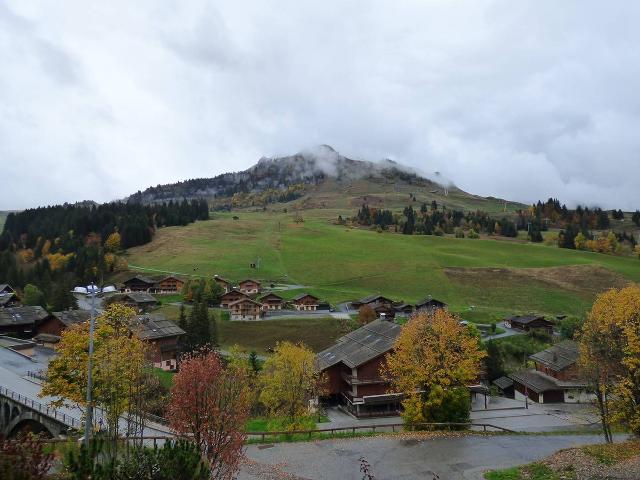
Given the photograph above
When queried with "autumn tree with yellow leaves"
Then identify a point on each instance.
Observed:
(289, 380)
(610, 357)
(433, 361)
(118, 370)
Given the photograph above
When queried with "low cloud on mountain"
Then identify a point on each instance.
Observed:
(521, 100)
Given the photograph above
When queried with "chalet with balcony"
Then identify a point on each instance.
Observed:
(305, 302)
(249, 286)
(162, 337)
(352, 367)
(169, 284)
(271, 301)
(556, 377)
(430, 305)
(225, 284)
(231, 296)
(138, 283)
(245, 309)
(529, 322)
(59, 321)
(21, 321)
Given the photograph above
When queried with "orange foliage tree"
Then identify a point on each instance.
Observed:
(211, 404)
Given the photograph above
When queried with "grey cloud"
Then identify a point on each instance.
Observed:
(521, 100)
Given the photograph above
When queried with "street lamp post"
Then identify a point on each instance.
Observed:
(91, 291)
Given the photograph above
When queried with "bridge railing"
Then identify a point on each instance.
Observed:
(39, 407)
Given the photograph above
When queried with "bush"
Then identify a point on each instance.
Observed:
(473, 234)
(438, 232)
(24, 458)
(459, 233)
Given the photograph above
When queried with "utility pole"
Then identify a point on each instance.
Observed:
(89, 420)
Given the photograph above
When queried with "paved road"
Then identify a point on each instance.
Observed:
(403, 457)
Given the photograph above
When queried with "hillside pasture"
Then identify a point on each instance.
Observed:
(339, 263)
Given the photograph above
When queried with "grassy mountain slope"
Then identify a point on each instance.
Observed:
(340, 264)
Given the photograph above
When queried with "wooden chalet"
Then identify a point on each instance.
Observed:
(403, 308)
(352, 367)
(231, 296)
(21, 321)
(371, 300)
(529, 322)
(249, 286)
(504, 385)
(59, 321)
(169, 284)
(430, 305)
(162, 337)
(138, 283)
(139, 301)
(245, 309)
(305, 302)
(271, 301)
(225, 284)
(556, 377)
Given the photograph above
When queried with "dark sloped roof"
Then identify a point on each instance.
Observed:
(141, 297)
(272, 295)
(140, 278)
(221, 279)
(24, 315)
(372, 298)
(245, 300)
(526, 319)
(302, 295)
(234, 291)
(536, 381)
(503, 382)
(7, 297)
(47, 337)
(72, 317)
(4, 286)
(429, 300)
(154, 326)
(361, 345)
(559, 356)
(249, 280)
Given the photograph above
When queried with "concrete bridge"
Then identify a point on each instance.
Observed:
(19, 413)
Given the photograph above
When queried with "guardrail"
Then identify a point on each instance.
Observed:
(378, 429)
(39, 407)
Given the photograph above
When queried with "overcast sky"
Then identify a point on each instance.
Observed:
(518, 99)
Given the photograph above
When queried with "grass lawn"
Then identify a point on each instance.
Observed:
(166, 378)
(277, 424)
(338, 264)
(259, 336)
(168, 299)
(592, 461)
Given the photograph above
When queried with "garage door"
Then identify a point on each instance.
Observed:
(553, 396)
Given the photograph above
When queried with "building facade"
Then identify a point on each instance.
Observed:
(245, 309)
(305, 302)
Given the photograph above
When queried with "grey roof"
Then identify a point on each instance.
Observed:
(24, 315)
(540, 382)
(525, 319)
(234, 290)
(245, 299)
(154, 326)
(302, 295)
(47, 337)
(372, 298)
(249, 280)
(219, 278)
(15, 343)
(271, 294)
(428, 300)
(141, 297)
(7, 297)
(559, 356)
(503, 382)
(72, 317)
(361, 345)
(140, 278)
(4, 286)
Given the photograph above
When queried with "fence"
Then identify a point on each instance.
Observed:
(39, 407)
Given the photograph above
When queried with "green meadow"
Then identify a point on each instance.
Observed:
(480, 279)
